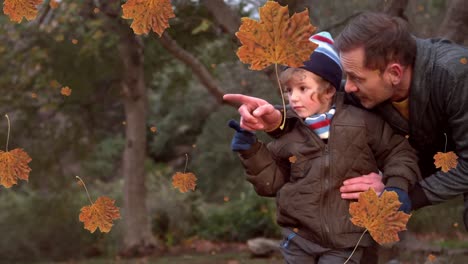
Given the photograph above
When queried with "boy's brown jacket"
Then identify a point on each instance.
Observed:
(307, 191)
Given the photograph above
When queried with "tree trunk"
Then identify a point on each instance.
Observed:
(138, 239)
(455, 24)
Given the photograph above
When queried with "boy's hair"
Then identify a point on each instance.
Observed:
(384, 38)
(323, 88)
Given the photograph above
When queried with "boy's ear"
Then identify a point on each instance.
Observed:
(330, 93)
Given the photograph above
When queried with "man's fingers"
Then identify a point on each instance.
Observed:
(350, 196)
(361, 187)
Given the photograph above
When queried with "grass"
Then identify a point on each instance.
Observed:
(221, 258)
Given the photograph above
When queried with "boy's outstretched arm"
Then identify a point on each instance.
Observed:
(256, 114)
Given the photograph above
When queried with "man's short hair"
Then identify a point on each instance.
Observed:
(385, 39)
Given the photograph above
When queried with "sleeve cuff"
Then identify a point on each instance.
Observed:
(418, 197)
(245, 154)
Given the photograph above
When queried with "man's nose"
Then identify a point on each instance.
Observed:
(350, 87)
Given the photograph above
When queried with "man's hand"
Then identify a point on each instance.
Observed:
(256, 114)
(353, 187)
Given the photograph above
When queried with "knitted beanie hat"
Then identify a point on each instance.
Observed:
(324, 61)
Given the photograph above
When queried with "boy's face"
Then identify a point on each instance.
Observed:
(302, 93)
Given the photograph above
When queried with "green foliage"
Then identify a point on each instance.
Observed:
(240, 219)
(101, 162)
(444, 218)
(37, 225)
(173, 214)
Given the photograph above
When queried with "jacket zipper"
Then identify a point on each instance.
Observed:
(325, 229)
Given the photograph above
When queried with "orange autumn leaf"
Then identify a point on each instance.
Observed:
(463, 60)
(293, 159)
(53, 4)
(14, 166)
(184, 181)
(17, 9)
(445, 161)
(148, 14)
(379, 215)
(431, 258)
(276, 38)
(66, 91)
(99, 215)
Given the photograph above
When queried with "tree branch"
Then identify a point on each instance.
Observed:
(195, 65)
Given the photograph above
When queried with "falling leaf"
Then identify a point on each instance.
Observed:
(276, 39)
(66, 91)
(17, 9)
(124, 123)
(74, 41)
(226, 198)
(54, 84)
(184, 181)
(96, 10)
(431, 258)
(153, 129)
(14, 166)
(463, 60)
(53, 4)
(292, 159)
(379, 215)
(295, 230)
(455, 224)
(148, 14)
(99, 215)
(445, 161)
(33, 95)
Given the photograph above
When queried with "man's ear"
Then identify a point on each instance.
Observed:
(395, 73)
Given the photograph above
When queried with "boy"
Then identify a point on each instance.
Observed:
(323, 143)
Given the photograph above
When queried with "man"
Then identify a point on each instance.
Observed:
(420, 87)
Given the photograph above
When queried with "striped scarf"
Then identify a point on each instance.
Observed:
(320, 123)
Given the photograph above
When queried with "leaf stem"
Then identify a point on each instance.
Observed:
(86, 189)
(186, 162)
(355, 247)
(445, 149)
(8, 134)
(282, 97)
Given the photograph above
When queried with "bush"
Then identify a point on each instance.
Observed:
(241, 219)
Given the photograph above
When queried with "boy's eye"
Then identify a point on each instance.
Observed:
(303, 88)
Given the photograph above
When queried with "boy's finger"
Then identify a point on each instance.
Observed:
(243, 99)
(246, 114)
(263, 110)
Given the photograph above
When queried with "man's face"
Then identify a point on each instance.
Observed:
(371, 86)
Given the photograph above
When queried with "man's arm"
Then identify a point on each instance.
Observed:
(442, 186)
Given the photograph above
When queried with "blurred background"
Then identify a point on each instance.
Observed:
(138, 105)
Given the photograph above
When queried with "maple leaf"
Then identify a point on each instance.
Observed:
(14, 166)
(184, 181)
(99, 215)
(17, 9)
(445, 161)
(463, 60)
(293, 159)
(379, 215)
(148, 14)
(66, 91)
(53, 4)
(276, 38)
